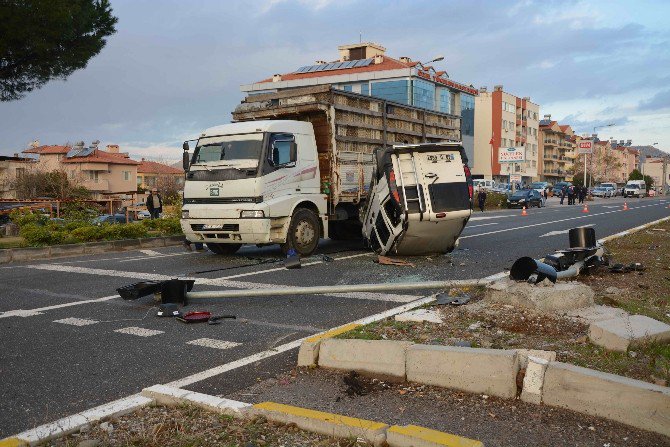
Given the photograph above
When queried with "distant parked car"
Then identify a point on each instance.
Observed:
(141, 215)
(540, 187)
(525, 197)
(111, 219)
(600, 191)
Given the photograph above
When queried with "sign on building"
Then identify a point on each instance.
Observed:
(511, 154)
(585, 147)
(515, 178)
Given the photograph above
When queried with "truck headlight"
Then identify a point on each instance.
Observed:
(252, 214)
(184, 214)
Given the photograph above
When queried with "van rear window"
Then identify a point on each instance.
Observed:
(449, 196)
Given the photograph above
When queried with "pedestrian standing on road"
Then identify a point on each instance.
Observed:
(582, 194)
(481, 198)
(571, 195)
(564, 191)
(154, 204)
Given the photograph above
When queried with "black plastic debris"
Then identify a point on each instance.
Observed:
(139, 289)
(168, 310)
(292, 260)
(217, 319)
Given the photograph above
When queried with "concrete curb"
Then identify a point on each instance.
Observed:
(9, 255)
(632, 230)
(329, 424)
(498, 371)
(77, 421)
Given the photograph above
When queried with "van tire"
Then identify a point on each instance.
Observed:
(303, 233)
(223, 249)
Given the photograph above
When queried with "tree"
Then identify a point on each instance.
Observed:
(649, 181)
(578, 179)
(169, 188)
(43, 40)
(635, 175)
(52, 184)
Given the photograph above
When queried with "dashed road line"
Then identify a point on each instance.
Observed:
(213, 343)
(139, 331)
(151, 253)
(552, 222)
(76, 321)
(481, 225)
(40, 310)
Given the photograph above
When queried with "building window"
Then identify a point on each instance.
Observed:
(467, 114)
(347, 88)
(365, 88)
(423, 94)
(20, 172)
(126, 175)
(397, 91)
(93, 176)
(447, 100)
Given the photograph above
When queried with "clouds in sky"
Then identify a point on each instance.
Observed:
(174, 68)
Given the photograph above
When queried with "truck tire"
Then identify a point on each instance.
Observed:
(223, 249)
(303, 233)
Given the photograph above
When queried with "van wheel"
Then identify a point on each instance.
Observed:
(303, 233)
(223, 249)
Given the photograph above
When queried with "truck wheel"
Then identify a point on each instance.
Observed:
(303, 233)
(223, 249)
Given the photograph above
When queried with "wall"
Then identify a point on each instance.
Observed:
(481, 162)
(117, 183)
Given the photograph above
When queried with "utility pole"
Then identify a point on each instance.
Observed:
(665, 175)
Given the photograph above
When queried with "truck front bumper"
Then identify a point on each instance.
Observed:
(228, 231)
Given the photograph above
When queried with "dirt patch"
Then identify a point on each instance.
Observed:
(644, 292)
(495, 422)
(190, 426)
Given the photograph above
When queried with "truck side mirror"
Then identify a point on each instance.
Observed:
(185, 146)
(186, 160)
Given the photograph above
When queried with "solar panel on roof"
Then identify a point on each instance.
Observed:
(334, 66)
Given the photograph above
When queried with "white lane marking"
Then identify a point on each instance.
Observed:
(211, 282)
(489, 217)
(557, 232)
(276, 269)
(40, 310)
(552, 222)
(151, 253)
(123, 258)
(76, 321)
(20, 313)
(139, 331)
(481, 225)
(217, 370)
(213, 343)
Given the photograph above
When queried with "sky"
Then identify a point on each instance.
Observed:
(174, 68)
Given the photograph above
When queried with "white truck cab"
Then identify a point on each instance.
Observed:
(254, 182)
(637, 188)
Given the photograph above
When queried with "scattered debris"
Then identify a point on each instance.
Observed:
(385, 260)
(194, 317)
(455, 300)
(292, 260)
(420, 315)
(168, 310)
(217, 319)
(358, 385)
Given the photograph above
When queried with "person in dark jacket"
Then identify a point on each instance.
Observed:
(481, 199)
(564, 191)
(154, 204)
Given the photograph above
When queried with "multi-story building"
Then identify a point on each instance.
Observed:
(364, 68)
(609, 162)
(107, 174)
(12, 168)
(556, 151)
(657, 168)
(149, 174)
(502, 121)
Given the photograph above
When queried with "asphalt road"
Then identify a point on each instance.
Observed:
(68, 343)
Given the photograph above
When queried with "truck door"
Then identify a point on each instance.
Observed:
(281, 165)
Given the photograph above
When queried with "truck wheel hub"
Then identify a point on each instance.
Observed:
(304, 233)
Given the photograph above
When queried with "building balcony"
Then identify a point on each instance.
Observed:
(99, 185)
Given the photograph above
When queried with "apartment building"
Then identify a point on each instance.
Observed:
(609, 162)
(366, 69)
(107, 174)
(149, 174)
(556, 154)
(503, 121)
(10, 169)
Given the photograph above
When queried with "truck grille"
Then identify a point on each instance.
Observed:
(224, 227)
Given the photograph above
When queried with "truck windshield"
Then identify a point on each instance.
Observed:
(233, 150)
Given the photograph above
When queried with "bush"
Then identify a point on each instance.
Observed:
(165, 226)
(494, 200)
(37, 235)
